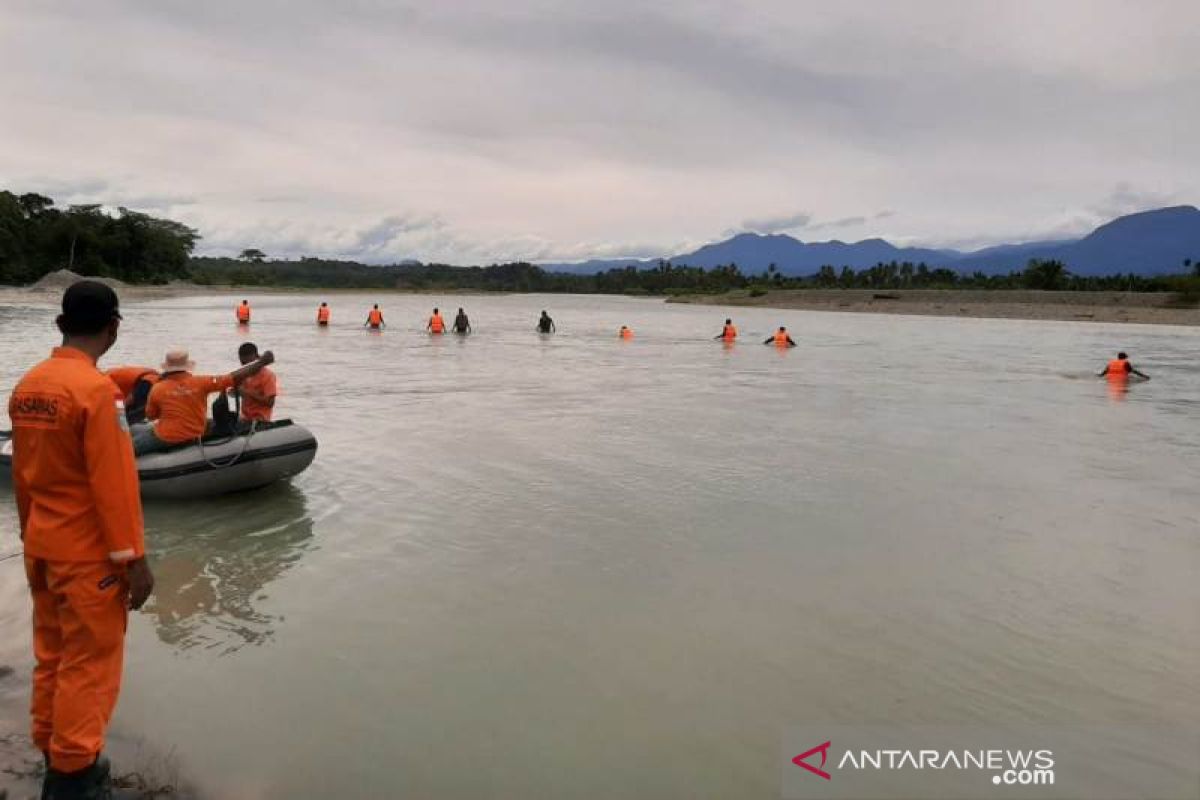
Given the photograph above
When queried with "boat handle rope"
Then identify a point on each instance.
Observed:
(229, 462)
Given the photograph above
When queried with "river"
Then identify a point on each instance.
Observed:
(572, 566)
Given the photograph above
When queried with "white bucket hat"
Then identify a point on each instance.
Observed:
(177, 360)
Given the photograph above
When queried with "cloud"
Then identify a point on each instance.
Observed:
(550, 128)
(64, 191)
(101, 191)
(153, 202)
(777, 224)
(844, 222)
(794, 222)
(1125, 199)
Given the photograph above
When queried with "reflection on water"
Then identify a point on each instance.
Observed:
(214, 563)
(564, 567)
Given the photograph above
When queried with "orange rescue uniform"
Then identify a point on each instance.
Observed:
(126, 378)
(243, 313)
(375, 318)
(729, 334)
(781, 339)
(1118, 370)
(263, 383)
(436, 324)
(626, 333)
(76, 488)
(323, 315)
(179, 401)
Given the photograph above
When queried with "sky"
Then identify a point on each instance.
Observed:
(475, 132)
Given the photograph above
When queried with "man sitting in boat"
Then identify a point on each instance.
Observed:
(178, 403)
(257, 391)
(135, 384)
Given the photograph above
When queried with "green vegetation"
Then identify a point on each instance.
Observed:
(663, 279)
(37, 238)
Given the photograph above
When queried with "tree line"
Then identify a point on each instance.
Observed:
(665, 278)
(36, 238)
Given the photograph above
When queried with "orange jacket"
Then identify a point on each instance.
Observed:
(262, 383)
(375, 318)
(180, 404)
(243, 312)
(1118, 370)
(730, 333)
(437, 324)
(74, 473)
(323, 315)
(781, 338)
(625, 333)
(126, 378)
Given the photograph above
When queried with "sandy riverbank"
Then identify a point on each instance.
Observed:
(1158, 308)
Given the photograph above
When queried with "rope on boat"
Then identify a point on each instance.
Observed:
(231, 460)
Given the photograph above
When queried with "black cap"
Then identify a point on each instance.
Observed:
(88, 306)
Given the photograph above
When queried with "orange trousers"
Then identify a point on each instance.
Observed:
(79, 618)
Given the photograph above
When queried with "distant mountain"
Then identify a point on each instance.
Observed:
(754, 252)
(1146, 243)
(1000, 251)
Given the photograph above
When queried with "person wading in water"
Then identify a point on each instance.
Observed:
(462, 325)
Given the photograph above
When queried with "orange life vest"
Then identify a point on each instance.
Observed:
(243, 313)
(323, 315)
(126, 378)
(781, 338)
(375, 318)
(626, 333)
(730, 333)
(1118, 370)
(436, 325)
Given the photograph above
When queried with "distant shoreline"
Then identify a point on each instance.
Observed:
(1147, 308)
(1152, 308)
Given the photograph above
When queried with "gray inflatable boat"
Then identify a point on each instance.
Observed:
(219, 465)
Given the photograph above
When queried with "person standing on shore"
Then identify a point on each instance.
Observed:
(80, 514)
(781, 338)
(728, 333)
(243, 313)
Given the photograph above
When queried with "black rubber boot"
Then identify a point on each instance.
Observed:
(46, 775)
(93, 783)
